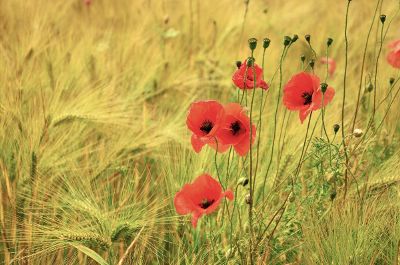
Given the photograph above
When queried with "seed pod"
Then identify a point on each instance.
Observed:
(252, 44)
(266, 43)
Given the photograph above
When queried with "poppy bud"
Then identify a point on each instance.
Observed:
(243, 181)
(295, 38)
(292, 198)
(248, 198)
(329, 42)
(287, 40)
(312, 63)
(324, 87)
(252, 44)
(358, 133)
(336, 128)
(370, 87)
(303, 58)
(333, 195)
(383, 18)
(266, 43)
(391, 81)
(238, 64)
(308, 38)
(250, 62)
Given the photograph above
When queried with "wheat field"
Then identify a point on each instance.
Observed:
(94, 145)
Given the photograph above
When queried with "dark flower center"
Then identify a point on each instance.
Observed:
(206, 203)
(307, 98)
(206, 126)
(235, 127)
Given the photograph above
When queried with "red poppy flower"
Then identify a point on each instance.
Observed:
(303, 93)
(240, 76)
(201, 197)
(331, 65)
(393, 56)
(87, 2)
(203, 120)
(235, 129)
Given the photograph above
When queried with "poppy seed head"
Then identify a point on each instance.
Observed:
(382, 18)
(324, 87)
(266, 43)
(250, 62)
(252, 44)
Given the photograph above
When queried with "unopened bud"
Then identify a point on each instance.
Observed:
(333, 195)
(266, 43)
(358, 133)
(383, 18)
(336, 128)
(286, 40)
(303, 58)
(370, 87)
(391, 81)
(243, 181)
(324, 87)
(252, 44)
(312, 63)
(238, 64)
(329, 42)
(308, 38)
(295, 38)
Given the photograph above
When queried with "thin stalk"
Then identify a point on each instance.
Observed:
(344, 95)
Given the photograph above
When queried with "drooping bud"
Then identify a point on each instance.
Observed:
(336, 128)
(295, 38)
(358, 133)
(329, 42)
(312, 63)
(286, 40)
(370, 87)
(238, 64)
(243, 181)
(308, 38)
(303, 58)
(391, 81)
(324, 87)
(383, 18)
(266, 43)
(252, 43)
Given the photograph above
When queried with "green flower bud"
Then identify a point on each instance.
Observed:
(238, 64)
(383, 18)
(303, 58)
(287, 40)
(336, 128)
(329, 42)
(308, 38)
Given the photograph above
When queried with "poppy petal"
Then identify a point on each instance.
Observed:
(195, 218)
(393, 59)
(303, 113)
(197, 143)
(182, 202)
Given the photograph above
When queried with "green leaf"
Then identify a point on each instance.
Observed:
(89, 252)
